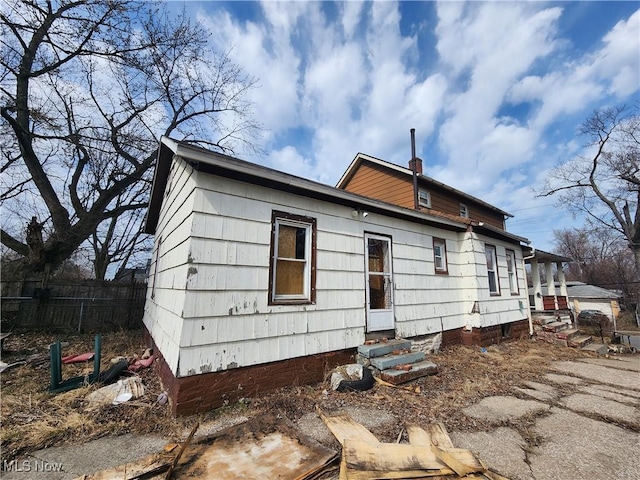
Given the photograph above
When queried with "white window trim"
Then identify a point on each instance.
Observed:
(426, 202)
(444, 268)
(494, 271)
(512, 272)
(464, 211)
(306, 289)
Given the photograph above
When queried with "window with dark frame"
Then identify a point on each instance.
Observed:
(292, 261)
(512, 272)
(440, 256)
(492, 269)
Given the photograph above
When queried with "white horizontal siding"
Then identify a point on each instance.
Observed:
(217, 256)
(166, 291)
(223, 356)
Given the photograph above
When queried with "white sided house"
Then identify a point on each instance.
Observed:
(261, 279)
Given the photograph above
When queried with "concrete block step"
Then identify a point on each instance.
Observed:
(390, 360)
(567, 334)
(419, 369)
(555, 326)
(383, 348)
(580, 341)
(598, 348)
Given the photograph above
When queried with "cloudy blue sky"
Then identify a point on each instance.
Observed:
(495, 90)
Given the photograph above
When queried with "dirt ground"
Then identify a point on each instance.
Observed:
(33, 419)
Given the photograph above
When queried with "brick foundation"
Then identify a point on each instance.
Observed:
(493, 335)
(199, 393)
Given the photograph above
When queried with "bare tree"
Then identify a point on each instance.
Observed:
(606, 184)
(88, 86)
(601, 257)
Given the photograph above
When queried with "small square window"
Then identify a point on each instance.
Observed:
(440, 255)
(424, 198)
(463, 211)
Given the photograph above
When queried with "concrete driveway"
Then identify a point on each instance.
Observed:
(581, 421)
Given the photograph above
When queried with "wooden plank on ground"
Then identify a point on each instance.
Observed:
(440, 436)
(343, 426)
(362, 455)
(460, 460)
(378, 475)
(419, 436)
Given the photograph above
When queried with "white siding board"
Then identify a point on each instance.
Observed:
(226, 277)
(227, 252)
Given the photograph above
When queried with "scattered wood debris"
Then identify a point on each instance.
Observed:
(263, 447)
(429, 453)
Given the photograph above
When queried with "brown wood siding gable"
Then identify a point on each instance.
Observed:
(375, 182)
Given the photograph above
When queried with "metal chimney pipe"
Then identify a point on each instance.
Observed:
(416, 202)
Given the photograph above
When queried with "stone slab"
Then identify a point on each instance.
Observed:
(620, 363)
(563, 379)
(594, 404)
(502, 450)
(598, 373)
(580, 341)
(567, 334)
(86, 458)
(611, 395)
(576, 447)
(383, 348)
(390, 361)
(554, 326)
(418, 370)
(503, 408)
(537, 394)
(598, 348)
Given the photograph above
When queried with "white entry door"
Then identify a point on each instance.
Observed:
(379, 283)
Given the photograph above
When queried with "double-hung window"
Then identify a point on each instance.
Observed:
(292, 263)
(440, 255)
(492, 269)
(513, 274)
(464, 211)
(424, 198)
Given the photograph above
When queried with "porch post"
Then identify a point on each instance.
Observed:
(537, 287)
(563, 281)
(551, 286)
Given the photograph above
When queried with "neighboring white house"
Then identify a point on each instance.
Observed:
(261, 279)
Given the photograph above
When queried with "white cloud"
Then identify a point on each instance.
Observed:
(614, 69)
(488, 47)
(351, 16)
(264, 51)
(288, 159)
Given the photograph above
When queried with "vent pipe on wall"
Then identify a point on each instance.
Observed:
(413, 166)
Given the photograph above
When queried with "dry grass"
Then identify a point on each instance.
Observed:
(33, 419)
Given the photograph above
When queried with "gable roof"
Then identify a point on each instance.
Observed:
(360, 158)
(222, 165)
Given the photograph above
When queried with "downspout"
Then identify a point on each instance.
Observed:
(416, 203)
(533, 254)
